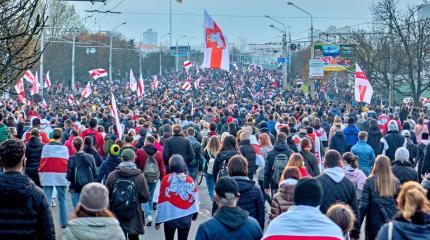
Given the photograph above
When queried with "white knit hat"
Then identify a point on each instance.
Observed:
(402, 154)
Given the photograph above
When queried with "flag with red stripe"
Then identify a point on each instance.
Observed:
(140, 86)
(87, 91)
(71, 99)
(53, 165)
(115, 114)
(133, 82)
(47, 81)
(98, 73)
(216, 50)
(187, 85)
(363, 90)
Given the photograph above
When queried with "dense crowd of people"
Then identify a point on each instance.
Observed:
(278, 164)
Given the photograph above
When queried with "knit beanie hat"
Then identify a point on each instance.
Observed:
(402, 154)
(94, 197)
(114, 150)
(308, 192)
(227, 187)
(128, 154)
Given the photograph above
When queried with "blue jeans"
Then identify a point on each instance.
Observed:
(61, 196)
(75, 198)
(147, 207)
(210, 182)
(192, 172)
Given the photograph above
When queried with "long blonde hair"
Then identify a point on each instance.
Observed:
(412, 198)
(295, 160)
(213, 146)
(385, 183)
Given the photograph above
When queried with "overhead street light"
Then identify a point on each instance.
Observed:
(110, 49)
(284, 48)
(309, 14)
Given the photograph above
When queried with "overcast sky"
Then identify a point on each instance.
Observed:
(237, 18)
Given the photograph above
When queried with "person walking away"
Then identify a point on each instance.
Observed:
(127, 190)
(251, 199)
(353, 173)
(4, 130)
(296, 160)
(343, 216)
(210, 153)
(284, 198)
(227, 150)
(96, 136)
(423, 156)
(377, 201)
(364, 152)
(197, 148)
(92, 218)
(401, 167)
(277, 160)
(309, 159)
(392, 140)
(110, 164)
(35, 123)
(337, 188)
(420, 128)
(266, 146)
(176, 213)
(410, 145)
(374, 136)
(154, 171)
(52, 172)
(229, 220)
(89, 148)
(413, 221)
(81, 170)
(351, 134)
(33, 153)
(304, 220)
(248, 152)
(177, 144)
(338, 141)
(24, 210)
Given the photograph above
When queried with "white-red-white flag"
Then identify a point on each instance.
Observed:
(187, 85)
(71, 99)
(133, 82)
(363, 90)
(87, 91)
(47, 81)
(19, 86)
(43, 104)
(140, 86)
(29, 77)
(154, 83)
(98, 73)
(197, 83)
(216, 50)
(35, 87)
(188, 64)
(115, 115)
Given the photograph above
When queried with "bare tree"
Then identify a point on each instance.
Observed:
(21, 23)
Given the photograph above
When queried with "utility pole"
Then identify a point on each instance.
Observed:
(285, 54)
(391, 86)
(170, 2)
(42, 49)
(110, 57)
(290, 55)
(73, 60)
(177, 57)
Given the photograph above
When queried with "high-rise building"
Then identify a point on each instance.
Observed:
(149, 40)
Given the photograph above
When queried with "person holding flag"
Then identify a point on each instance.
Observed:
(133, 84)
(363, 90)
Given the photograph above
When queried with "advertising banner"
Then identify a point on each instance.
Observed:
(336, 57)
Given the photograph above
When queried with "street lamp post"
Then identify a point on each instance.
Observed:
(310, 15)
(284, 49)
(110, 49)
(177, 51)
(161, 65)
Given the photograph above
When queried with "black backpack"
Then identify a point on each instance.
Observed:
(83, 172)
(223, 171)
(93, 138)
(279, 164)
(426, 161)
(123, 202)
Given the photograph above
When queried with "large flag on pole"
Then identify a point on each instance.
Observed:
(35, 88)
(363, 90)
(133, 83)
(216, 50)
(140, 86)
(87, 91)
(187, 85)
(47, 81)
(29, 77)
(115, 114)
(154, 83)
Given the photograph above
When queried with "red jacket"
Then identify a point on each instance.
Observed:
(43, 135)
(141, 157)
(99, 139)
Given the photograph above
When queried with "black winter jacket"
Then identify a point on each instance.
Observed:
(251, 199)
(107, 167)
(394, 141)
(423, 160)
(24, 210)
(71, 168)
(278, 148)
(221, 159)
(178, 145)
(248, 152)
(33, 152)
(378, 210)
(311, 163)
(404, 172)
(374, 139)
(338, 142)
(417, 229)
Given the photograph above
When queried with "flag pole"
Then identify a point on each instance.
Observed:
(231, 85)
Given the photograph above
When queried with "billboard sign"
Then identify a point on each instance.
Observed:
(316, 68)
(183, 51)
(336, 57)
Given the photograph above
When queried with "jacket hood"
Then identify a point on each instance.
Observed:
(94, 227)
(419, 228)
(245, 184)
(150, 149)
(227, 154)
(404, 163)
(287, 187)
(373, 130)
(263, 124)
(231, 218)
(126, 169)
(339, 134)
(336, 173)
(15, 187)
(392, 126)
(351, 173)
(280, 146)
